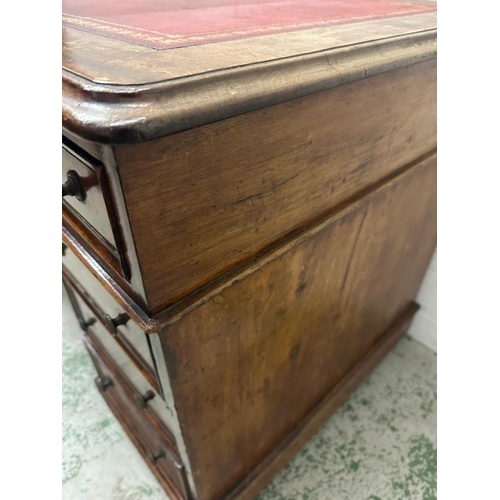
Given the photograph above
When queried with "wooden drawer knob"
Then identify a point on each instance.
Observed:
(73, 186)
(103, 383)
(154, 456)
(86, 324)
(142, 399)
(113, 323)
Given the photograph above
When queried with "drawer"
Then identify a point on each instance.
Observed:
(113, 312)
(88, 211)
(139, 419)
(128, 345)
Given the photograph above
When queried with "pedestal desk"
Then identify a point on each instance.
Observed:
(249, 207)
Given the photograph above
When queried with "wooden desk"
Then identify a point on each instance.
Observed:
(249, 207)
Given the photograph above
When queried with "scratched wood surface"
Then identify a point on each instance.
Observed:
(250, 363)
(273, 202)
(118, 92)
(142, 426)
(88, 54)
(202, 201)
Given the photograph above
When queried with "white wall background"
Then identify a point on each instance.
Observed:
(424, 325)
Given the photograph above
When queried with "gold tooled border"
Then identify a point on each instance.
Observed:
(143, 36)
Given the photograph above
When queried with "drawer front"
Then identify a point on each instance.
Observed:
(131, 352)
(112, 315)
(140, 421)
(124, 356)
(86, 196)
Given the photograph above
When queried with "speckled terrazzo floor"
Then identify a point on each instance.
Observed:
(380, 445)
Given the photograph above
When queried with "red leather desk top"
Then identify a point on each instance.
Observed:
(179, 23)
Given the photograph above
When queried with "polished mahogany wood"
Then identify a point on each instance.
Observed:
(119, 92)
(91, 205)
(213, 197)
(299, 320)
(250, 487)
(251, 361)
(103, 254)
(117, 96)
(141, 424)
(131, 340)
(90, 210)
(255, 219)
(106, 291)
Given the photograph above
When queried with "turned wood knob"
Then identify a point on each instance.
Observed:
(113, 323)
(73, 186)
(85, 324)
(142, 399)
(103, 383)
(154, 456)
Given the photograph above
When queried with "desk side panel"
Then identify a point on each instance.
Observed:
(206, 200)
(248, 365)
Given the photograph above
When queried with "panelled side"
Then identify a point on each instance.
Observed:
(249, 364)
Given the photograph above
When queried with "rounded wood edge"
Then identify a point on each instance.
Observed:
(114, 114)
(147, 324)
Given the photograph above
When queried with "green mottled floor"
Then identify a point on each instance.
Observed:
(380, 445)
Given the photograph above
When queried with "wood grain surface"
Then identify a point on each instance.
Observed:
(248, 365)
(87, 55)
(106, 292)
(202, 201)
(131, 341)
(142, 426)
(115, 92)
(250, 487)
(93, 208)
(265, 211)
